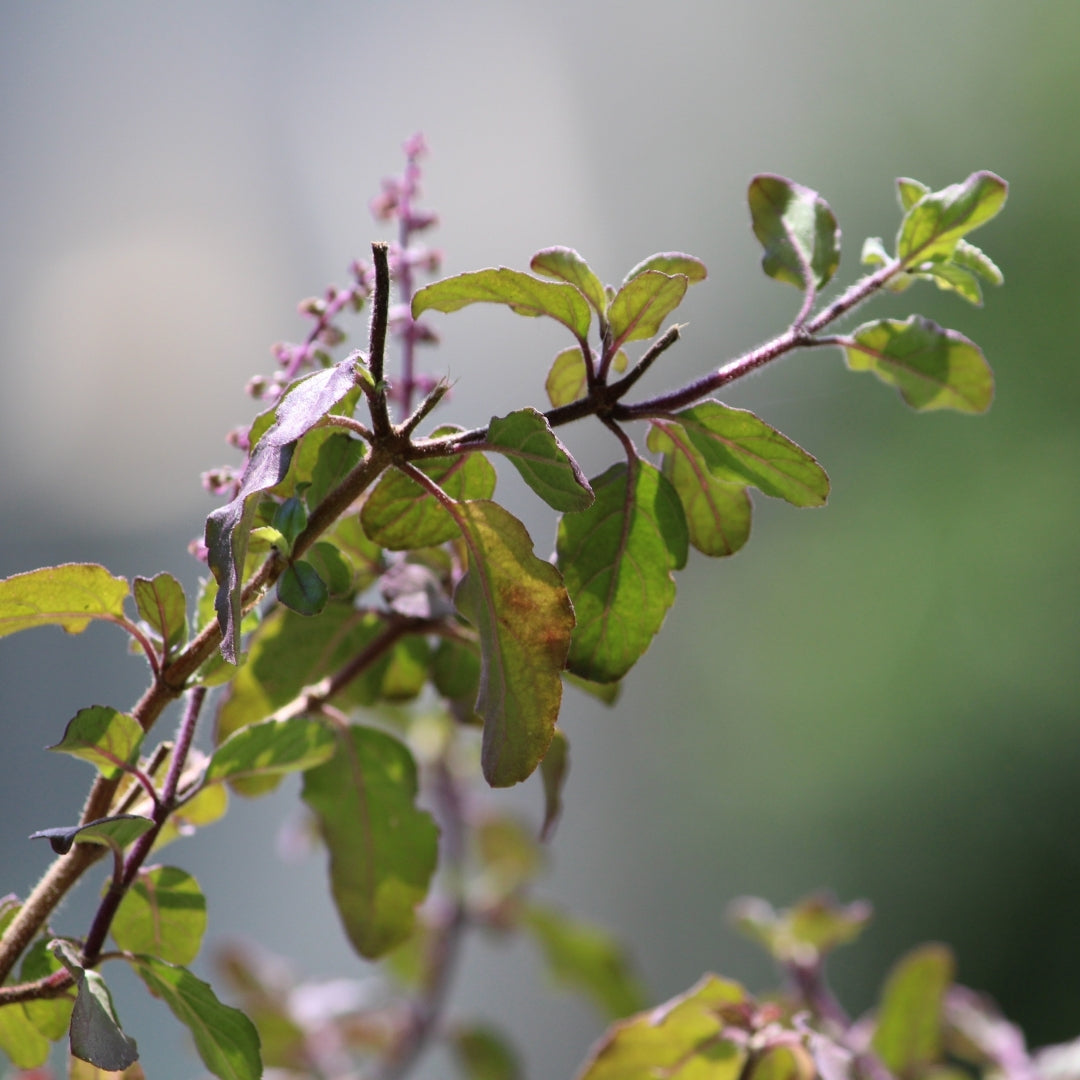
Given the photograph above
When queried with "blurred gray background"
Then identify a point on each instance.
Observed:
(879, 697)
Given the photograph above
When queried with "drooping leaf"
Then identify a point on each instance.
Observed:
(908, 1035)
(271, 748)
(683, 1033)
(161, 602)
(401, 515)
(163, 913)
(483, 1054)
(803, 933)
(718, 510)
(95, 1031)
(586, 958)
(68, 596)
(740, 447)
(643, 303)
(116, 831)
(20, 1039)
(935, 223)
(301, 589)
(523, 615)
(797, 229)
(526, 438)
(617, 559)
(520, 292)
(933, 368)
(225, 1038)
(51, 1016)
(565, 264)
(300, 409)
(382, 848)
(671, 263)
(553, 771)
(108, 739)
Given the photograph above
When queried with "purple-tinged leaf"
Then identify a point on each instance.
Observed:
(383, 849)
(68, 596)
(643, 303)
(671, 263)
(565, 264)
(617, 559)
(933, 368)
(523, 615)
(797, 229)
(520, 292)
(526, 438)
(108, 739)
(935, 223)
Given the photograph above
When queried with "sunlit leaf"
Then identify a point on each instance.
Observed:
(382, 847)
(567, 380)
(586, 958)
(20, 1039)
(718, 509)
(671, 263)
(51, 1016)
(565, 264)
(161, 602)
(908, 1035)
(797, 229)
(803, 933)
(933, 225)
(952, 278)
(401, 515)
(933, 368)
(616, 559)
(522, 293)
(83, 1070)
(544, 463)
(523, 615)
(108, 739)
(225, 1038)
(271, 747)
(978, 262)
(163, 913)
(68, 596)
(553, 771)
(643, 303)
(680, 1034)
(910, 191)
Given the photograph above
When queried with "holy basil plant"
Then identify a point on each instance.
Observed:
(376, 620)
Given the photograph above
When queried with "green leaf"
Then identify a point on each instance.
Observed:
(952, 278)
(523, 615)
(68, 596)
(51, 1016)
(95, 1031)
(330, 565)
(803, 933)
(20, 1039)
(910, 192)
(225, 1038)
(797, 229)
(161, 602)
(271, 748)
(204, 808)
(908, 1036)
(969, 257)
(616, 559)
(567, 380)
(116, 831)
(565, 264)
(510, 858)
(401, 515)
(363, 556)
(382, 848)
(483, 1054)
(553, 771)
(607, 692)
(740, 447)
(522, 293)
(108, 739)
(82, 1070)
(290, 651)
(933, 368)
(338, 455)
(932, 226)
(290, 519)
(586, 958)
(301, 589)
(671, 263)
(683, 1034)
(163, 913)
(526, 438)
(718, 510)
(643, 303)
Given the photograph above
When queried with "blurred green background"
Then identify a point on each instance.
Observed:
(879, 697)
